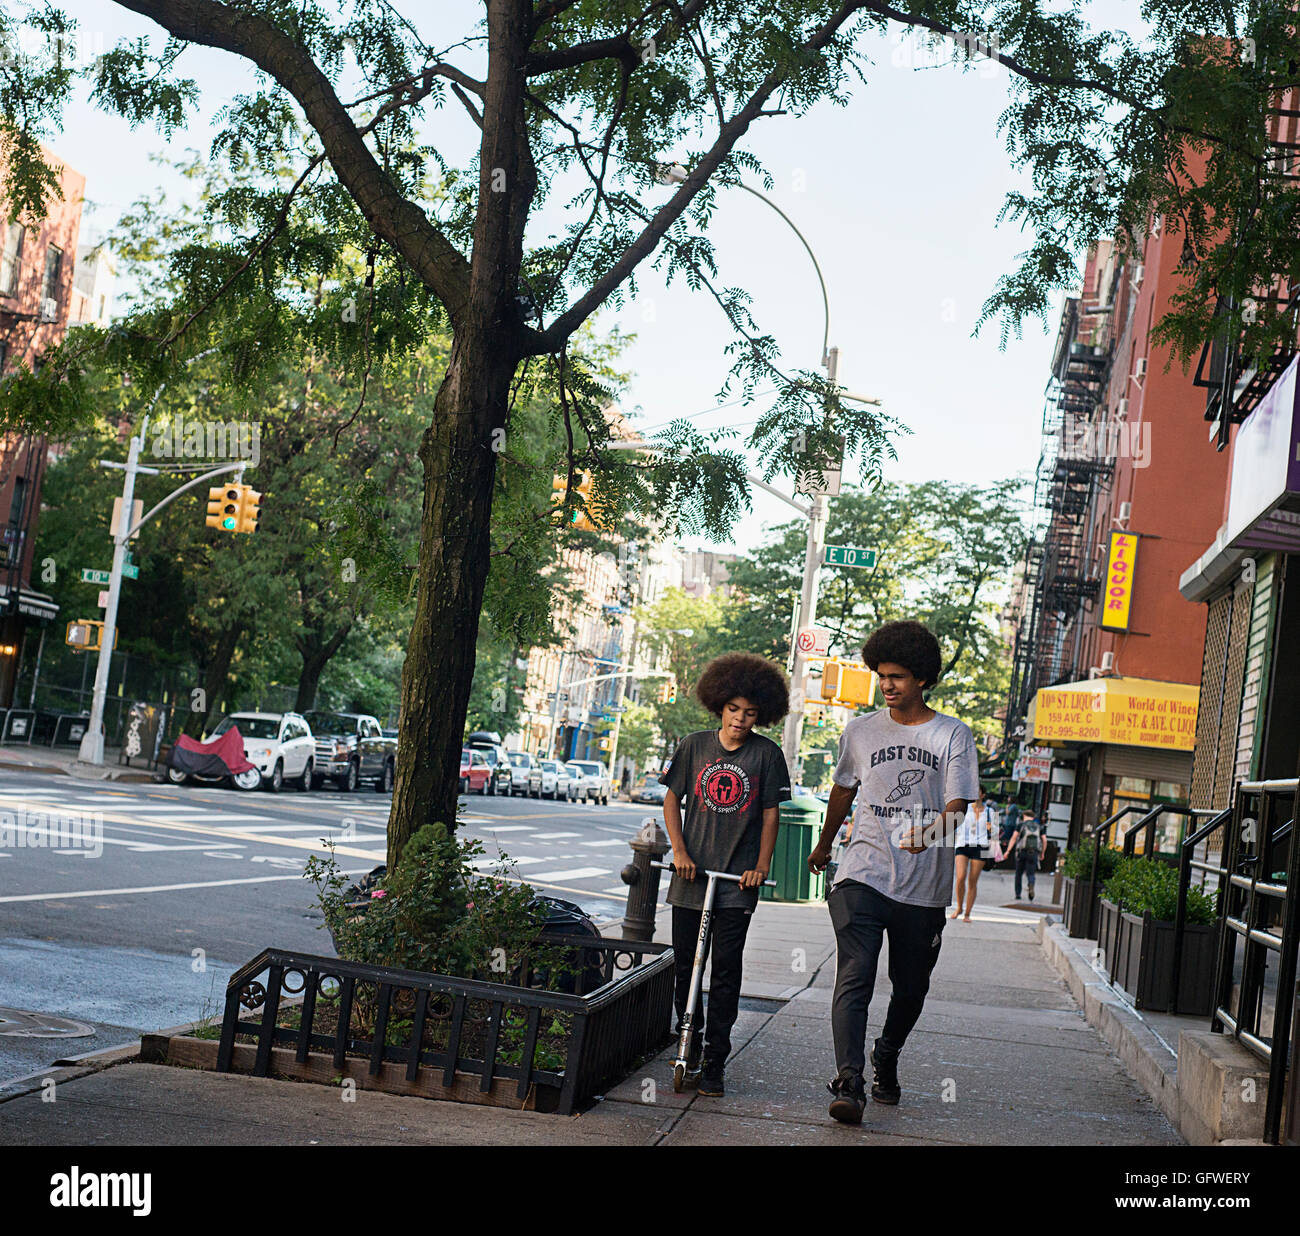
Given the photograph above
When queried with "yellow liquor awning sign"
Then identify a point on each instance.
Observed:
(1117, 593)
(1134, 712)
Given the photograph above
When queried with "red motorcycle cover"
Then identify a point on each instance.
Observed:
(222, 757)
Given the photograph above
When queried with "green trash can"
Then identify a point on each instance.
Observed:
(801, 824)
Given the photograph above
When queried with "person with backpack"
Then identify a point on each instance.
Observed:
(1027, 842)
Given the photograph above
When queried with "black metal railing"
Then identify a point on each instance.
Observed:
(1146, 829)
(1261, 912)
(1187, 862)
(619, 1012)
(1097, 832)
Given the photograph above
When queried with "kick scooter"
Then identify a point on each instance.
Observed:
(681, 1063)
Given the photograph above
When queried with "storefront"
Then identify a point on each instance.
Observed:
(1128, 740)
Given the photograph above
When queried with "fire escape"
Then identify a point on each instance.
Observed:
(1059, 574)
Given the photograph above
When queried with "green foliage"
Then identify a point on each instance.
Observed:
(1077, 863)
(436, 913)
(1143, 885)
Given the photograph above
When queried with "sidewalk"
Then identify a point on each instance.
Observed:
(40, 758)
(1001, 1055)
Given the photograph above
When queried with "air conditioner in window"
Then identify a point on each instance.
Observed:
(1107, 662)
(49, 309)
(1121, 411)
(1125, 511)
(1137, 275)
(1139, 369)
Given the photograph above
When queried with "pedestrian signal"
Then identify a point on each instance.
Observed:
(87, 635)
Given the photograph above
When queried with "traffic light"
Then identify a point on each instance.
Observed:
(662, 693)
(672, 690)
(250, 509)
(846, 683)
(830, 680)
(603, 744)
(223, 507)
(577, 515)
(87, 635)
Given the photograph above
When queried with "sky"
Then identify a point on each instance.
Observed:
(897, 194)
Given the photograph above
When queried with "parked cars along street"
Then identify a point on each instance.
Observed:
(577, 787)
(475, 771)
(648, 790)
(521, 772)
(279, 743)
(351, 748)
(489, 742)
(544, 780)
(595, 780)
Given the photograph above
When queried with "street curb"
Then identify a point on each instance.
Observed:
(110, 773)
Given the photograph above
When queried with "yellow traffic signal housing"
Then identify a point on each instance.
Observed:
(846, 683)
(223, 507)
(830, 680)
(578, 515)
(661, 694)
(87, 635)
(250, 509)
(672, 690)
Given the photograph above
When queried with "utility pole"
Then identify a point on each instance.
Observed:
(620, 695)
(812, 564)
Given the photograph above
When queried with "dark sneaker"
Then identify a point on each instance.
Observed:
(711, 1080)
(1031, 894)
(884, 1083)
(850, 1098)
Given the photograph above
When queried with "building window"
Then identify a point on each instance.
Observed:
(53, 269)
(9, 258)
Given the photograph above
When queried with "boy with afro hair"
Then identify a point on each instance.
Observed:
(731, 782)
(914, 770)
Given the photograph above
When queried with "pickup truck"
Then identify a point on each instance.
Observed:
(352, 748)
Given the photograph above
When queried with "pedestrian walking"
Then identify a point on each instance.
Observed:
(725, 787)
(974, 843)
(915, 770)
(1027, 843)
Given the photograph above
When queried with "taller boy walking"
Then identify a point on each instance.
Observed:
(917, 770)
(731, 782)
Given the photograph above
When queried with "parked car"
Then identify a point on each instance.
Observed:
(521, 772)
(649, 790)
(577, 784)
(279, 743)
(497, 756)
(544, 780)
(351, 748)
(475, 771)
(595, 777)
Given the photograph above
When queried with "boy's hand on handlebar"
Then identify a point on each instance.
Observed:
(819, 859)
(753, 878)
(684, 866)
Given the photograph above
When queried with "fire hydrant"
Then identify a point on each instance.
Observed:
(648, 846)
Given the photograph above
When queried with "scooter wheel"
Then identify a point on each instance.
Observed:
(679, 1078)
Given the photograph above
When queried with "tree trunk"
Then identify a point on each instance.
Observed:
(455, 539)
(316, 655)
(214, 679)
(459, 451)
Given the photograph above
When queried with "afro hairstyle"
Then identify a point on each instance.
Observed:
(909, 644)
(747, 676)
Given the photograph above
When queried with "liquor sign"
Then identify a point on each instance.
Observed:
(1117, 593)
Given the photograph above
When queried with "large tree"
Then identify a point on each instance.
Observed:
(588, 100)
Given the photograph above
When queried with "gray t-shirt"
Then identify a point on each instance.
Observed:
(723, 795)
(906, 773)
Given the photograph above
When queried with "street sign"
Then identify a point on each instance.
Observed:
(847, 555)
(94, 577)
(131, 572)
(813, 641)
(103, 600)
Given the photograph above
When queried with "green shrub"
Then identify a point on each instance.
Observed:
(1078, 862)
(437, 914)
(1148, 886)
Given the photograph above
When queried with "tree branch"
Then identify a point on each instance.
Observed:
(435, 260)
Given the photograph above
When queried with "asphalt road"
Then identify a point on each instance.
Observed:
(158, 892)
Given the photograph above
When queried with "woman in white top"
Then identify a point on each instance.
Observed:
(973, 841)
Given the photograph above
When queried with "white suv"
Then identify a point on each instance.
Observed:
(521, 772)
(595, 780)
(279, 743)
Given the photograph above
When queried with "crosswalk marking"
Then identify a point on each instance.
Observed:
(610, 841)
(550, 836)
(576, 873)
(506, 828)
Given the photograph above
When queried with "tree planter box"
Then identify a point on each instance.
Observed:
(1079, 908)
(442, 1037)
(1139, 957)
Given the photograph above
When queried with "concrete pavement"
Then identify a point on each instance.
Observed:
(1002, 1055)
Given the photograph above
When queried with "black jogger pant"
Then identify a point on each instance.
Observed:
(862, 917)
(727, 931)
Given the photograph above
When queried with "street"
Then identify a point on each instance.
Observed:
(192, 881)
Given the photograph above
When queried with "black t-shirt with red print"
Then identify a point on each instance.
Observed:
(723, 795)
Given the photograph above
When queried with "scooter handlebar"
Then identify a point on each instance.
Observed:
(721, 875)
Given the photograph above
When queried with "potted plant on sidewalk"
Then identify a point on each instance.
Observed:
(1079, 899)
(1138, 906)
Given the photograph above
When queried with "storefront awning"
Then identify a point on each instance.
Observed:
(1135, 712)
(28, 603)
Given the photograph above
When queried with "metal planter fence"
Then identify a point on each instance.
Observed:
(490, 1031)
